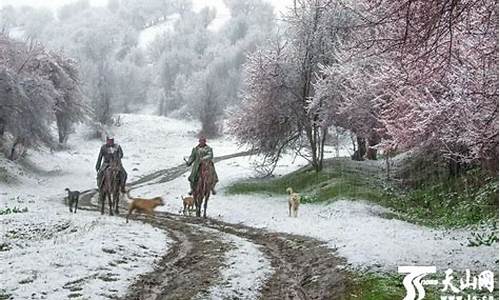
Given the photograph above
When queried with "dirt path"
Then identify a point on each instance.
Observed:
(303, 268)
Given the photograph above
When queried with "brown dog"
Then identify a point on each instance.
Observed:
(188, 203)
(144, 205)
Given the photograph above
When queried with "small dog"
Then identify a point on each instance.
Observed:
(143, 205)
(72, 199)
(188, 203)
(293, 202)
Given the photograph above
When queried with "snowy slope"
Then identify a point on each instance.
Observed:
(356, 228)
(54, 255)
(47, 248)
(146, 36)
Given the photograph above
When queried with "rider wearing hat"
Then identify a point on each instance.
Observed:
(110, 151)
(202, 152)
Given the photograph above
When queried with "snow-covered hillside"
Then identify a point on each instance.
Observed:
(356, 229)
(48, 251)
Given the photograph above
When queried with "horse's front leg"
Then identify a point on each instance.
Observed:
(197, 202)
(110, 201)
(102, 199)
(205, 205)
(117, 200)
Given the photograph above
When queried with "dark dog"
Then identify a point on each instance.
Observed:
(72, 199)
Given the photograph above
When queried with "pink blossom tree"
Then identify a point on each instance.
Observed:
(444, 94)
(279, 84)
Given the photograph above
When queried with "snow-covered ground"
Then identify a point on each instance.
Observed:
(148, 35)
(49, 250)
(52, 254)
(356, 228)
(245, 271)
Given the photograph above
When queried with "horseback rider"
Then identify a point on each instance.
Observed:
(110, 151)
(202, 152)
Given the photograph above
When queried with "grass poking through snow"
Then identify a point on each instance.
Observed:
(315, 187)
(455, 202)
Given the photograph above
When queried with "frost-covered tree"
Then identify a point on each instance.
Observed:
(72, 9)
(131, 83)
(200, 69)
(69, 104)
(313, 38)
(269, 121)
(37, 87)
(444, 95)
(350, 92)
(99, 39)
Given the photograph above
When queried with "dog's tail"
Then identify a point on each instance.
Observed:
(289, 190)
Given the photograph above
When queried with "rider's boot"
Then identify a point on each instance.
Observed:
(123, 181)
(191, 185)
(213, 191)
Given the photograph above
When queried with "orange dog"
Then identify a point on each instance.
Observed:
(144, 205)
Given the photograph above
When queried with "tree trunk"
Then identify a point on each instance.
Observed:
(62, 128)
(2, 132)
(360, 153)
(161, 106)
(454, 168)
(372, 141)
(489, 159)
(2, 128)
(208, 114)
(13, 152)
(322, 148)
(388, 167)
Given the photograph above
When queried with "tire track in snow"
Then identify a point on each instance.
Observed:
(245, 271)
(199, 264)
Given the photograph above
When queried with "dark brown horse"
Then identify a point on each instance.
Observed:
(111, 187)
(203, 188)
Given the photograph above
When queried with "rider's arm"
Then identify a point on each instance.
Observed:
(120, 152)
(99, 160)
(209, 156)
(192, 158)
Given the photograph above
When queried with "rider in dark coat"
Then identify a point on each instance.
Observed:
(108, 152)
(199, 153)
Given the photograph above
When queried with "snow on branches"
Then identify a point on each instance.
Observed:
(268, 121)
(400, 74)
(445, 93)
(36, 88)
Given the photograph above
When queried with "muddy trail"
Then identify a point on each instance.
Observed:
(302, 267)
